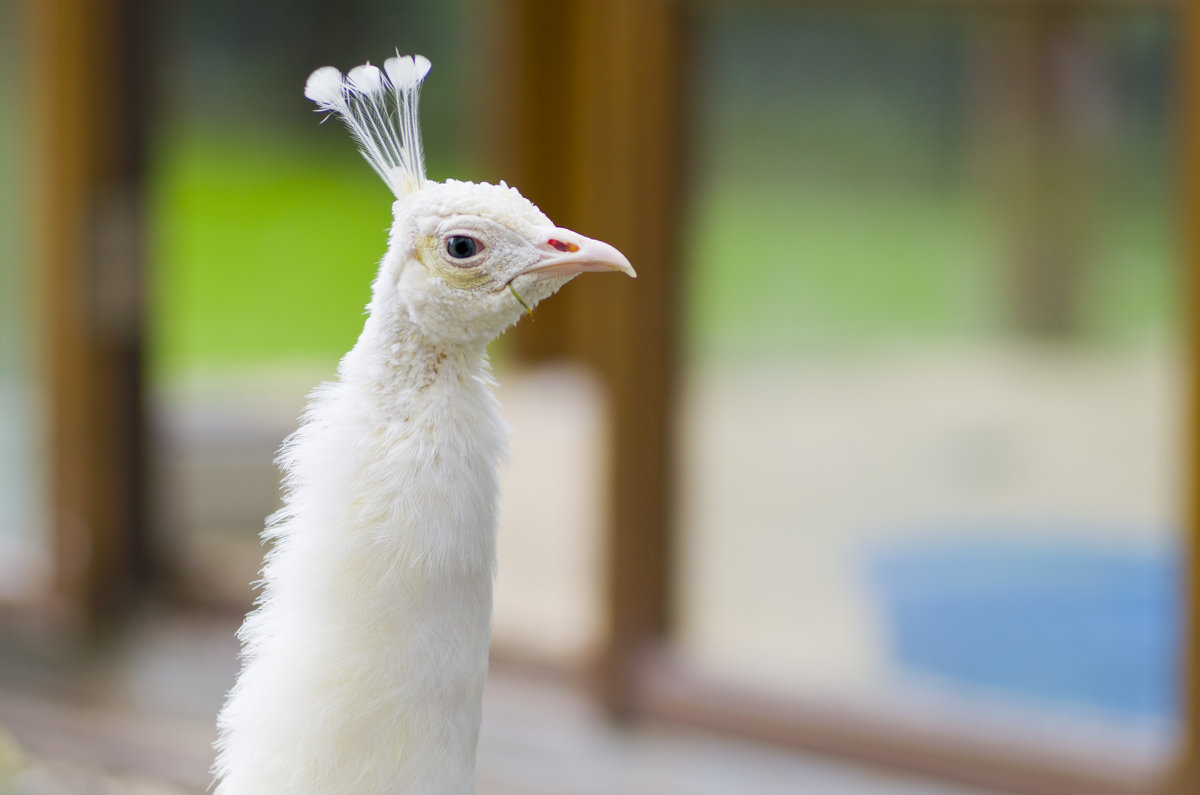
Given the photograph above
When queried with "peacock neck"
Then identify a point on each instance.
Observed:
(425, 406)
(377, 603)
(403, 369)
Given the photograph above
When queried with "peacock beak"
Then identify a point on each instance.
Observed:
(566, 252)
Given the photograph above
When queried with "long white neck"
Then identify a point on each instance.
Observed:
(365, 662)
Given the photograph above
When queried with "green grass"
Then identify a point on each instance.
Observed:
(781, 269)
(264, 248)
(776, 268)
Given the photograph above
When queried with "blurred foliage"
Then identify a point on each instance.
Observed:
(266, 247)
(837, 196)
(835, 200)
(775, 270)
(267, 226)
(15, 283)
(245, 63)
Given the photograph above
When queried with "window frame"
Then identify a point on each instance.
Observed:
(86, 63)
(627, 139)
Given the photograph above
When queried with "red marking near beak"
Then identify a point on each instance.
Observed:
(561, 246)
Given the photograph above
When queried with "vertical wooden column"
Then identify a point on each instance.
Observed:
(1189, 84)
(630, 113)
(1033, 139)
(87, 249)
(590, 103)
(533, 140)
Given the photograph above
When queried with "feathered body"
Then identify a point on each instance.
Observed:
(364, 664)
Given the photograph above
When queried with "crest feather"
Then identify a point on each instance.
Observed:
(380, 107)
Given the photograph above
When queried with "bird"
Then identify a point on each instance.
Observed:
(364, 658)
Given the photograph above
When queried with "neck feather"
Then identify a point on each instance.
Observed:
(376, 607)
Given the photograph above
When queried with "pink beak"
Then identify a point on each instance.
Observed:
(567, 252)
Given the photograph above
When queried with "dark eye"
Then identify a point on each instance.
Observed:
(462, 247)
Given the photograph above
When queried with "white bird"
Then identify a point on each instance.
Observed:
(364, 661)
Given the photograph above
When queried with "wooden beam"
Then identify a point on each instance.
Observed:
(591, 110)
(1189, 84)
(627, 183)
(969, 5)
(933, 742)
(87, 251)
(532, 143)
(1036, 157)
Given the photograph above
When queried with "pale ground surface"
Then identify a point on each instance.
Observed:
(789, 471)
(793, 474)
(140, 721)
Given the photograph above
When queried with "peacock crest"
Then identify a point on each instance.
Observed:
(380, 106)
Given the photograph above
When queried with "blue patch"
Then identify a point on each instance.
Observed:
(1047, 618)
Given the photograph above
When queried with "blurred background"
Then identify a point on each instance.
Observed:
(875, 481)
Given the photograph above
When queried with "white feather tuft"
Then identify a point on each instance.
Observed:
(366, 79)
(407, 70)
(381, 109)
(324, 87)
(400, 70)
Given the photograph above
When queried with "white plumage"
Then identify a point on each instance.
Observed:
(364, 663)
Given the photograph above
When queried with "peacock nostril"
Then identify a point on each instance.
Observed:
(561, 246)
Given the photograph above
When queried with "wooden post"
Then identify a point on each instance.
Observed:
(592, 117)
(87, 249)
(1034, 158)
(627, 189)
(533, 142)
(1189, 64)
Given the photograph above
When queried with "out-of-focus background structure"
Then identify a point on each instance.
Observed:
(880, 478)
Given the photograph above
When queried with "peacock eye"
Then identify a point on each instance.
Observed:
(462, 247)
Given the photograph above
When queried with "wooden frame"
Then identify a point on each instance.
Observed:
(1188, 779)
(946, 746)
(87, 249)
(591, 164)
(625, 84)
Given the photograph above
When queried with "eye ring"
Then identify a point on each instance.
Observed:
(462, 246)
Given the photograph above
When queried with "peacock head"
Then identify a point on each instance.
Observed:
(465, 259)
(469, 258)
